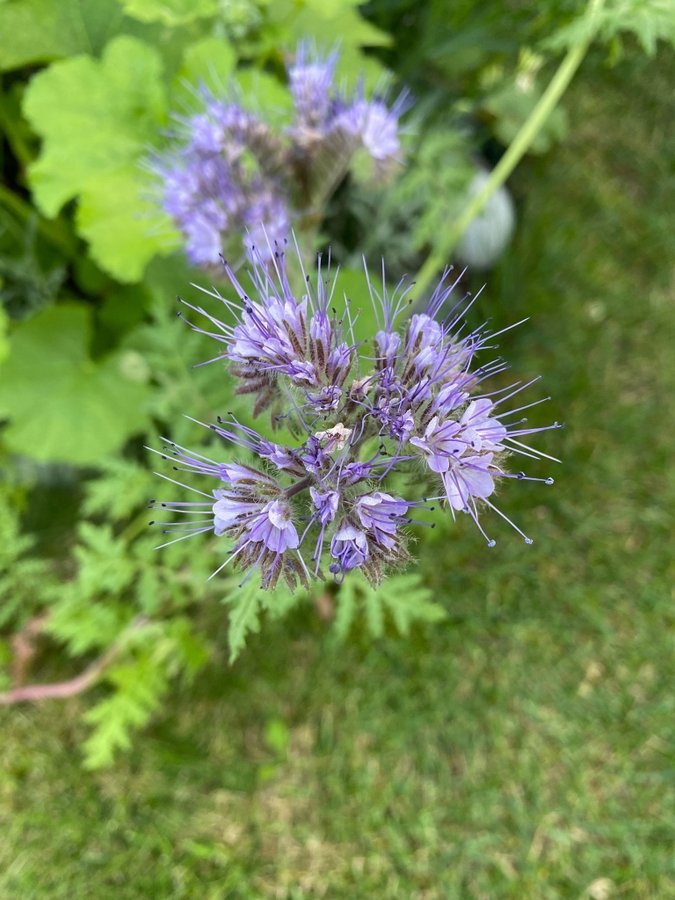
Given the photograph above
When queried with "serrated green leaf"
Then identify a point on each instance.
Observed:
(170, 12)
(279, 602)
(650, 21)
(33, 31)
(24, 580)
(105, 566)
(139, 687)
(61, 404)
(244, 603)
(346, 608)
(121, 488)
(97, 120)
(404, 598)
(408, 600)
(83, 625)
(374, 610)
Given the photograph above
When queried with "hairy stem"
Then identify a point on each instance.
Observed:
(298, 486)
(514, 153)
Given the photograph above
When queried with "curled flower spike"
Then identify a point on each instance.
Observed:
(411, 399)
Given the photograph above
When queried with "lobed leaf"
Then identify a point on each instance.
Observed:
(170, 12)
(63, 405)
(97, 120)
(35, 31)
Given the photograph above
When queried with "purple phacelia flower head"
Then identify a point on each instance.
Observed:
(409, 400)
(232, 180)
(310, 78)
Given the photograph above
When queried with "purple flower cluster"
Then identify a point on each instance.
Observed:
(411, 403)
(230, 173)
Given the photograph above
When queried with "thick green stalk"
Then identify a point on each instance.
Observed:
(515, 152)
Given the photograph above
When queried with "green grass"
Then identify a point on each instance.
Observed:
(522, 749)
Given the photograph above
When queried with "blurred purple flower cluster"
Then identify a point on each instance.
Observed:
(230, 173)
(370, 420)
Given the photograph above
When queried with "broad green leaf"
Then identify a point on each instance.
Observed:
(170, 12)
(34, 31)
(328, 20)
(265, 94)
(124, 231)
(352, 284)
(63, 405)
(210, 61)
(97, 120)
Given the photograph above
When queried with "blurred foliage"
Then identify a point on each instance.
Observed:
(94, 364)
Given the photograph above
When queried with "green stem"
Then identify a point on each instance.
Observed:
(514, 153)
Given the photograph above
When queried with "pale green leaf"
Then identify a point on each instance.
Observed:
(97, 120)
(124, 231)
(63, 405)
(170, 12)
(263, 93)
(327, 21)
(34, 31)
(210, 61)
